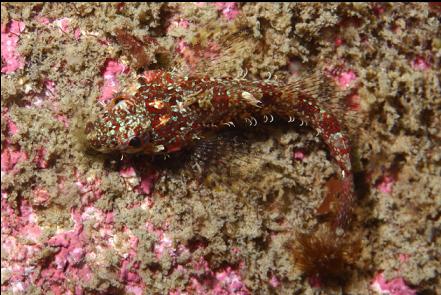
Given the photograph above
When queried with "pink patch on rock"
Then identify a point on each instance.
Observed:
(68, 260)
(49, 88)
(10, 157)
(21, 238)
(77, 33)
(229, 281)
(420, 64)
(228, 9)
(127, 172)
(89, 189)
(186, 52)
(183, 23)
(40, 158)
(274, 282)
(147, 182)
(63, 24)
(12, 128)
(346, 78)
(146, 185)
(127, 274)
(20, 244)
(295, 67)
(226, 281)
(112, 69)
(63, 119)
(386, 184)
(43, 20)
(47, 95)
(403, 257)
(40, 196)
(338, 42)
(135, 290)
(143, 183)
(180, 23)
(200, 4)
(299, 155)
(10, 35)
(395, 286)
(109, 218)
(164, 243)
(129, 268)
(19, 225)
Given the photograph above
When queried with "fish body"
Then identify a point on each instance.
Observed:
(170, 112)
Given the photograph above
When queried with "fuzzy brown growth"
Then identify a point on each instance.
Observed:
(324, 257)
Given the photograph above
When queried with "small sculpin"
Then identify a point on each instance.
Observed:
(170, 112)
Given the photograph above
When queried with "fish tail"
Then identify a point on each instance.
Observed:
(314, 99)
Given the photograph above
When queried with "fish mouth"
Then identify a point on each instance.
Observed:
(97, 148)
(93, 143)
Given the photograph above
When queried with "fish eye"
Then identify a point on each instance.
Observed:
(121, 103)
(135, 142)
(117, 103)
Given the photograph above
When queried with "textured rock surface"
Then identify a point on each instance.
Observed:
(83, 223)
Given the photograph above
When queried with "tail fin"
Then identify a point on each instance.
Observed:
(315, 98)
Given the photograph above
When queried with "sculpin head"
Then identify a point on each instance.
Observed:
(123, 127)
